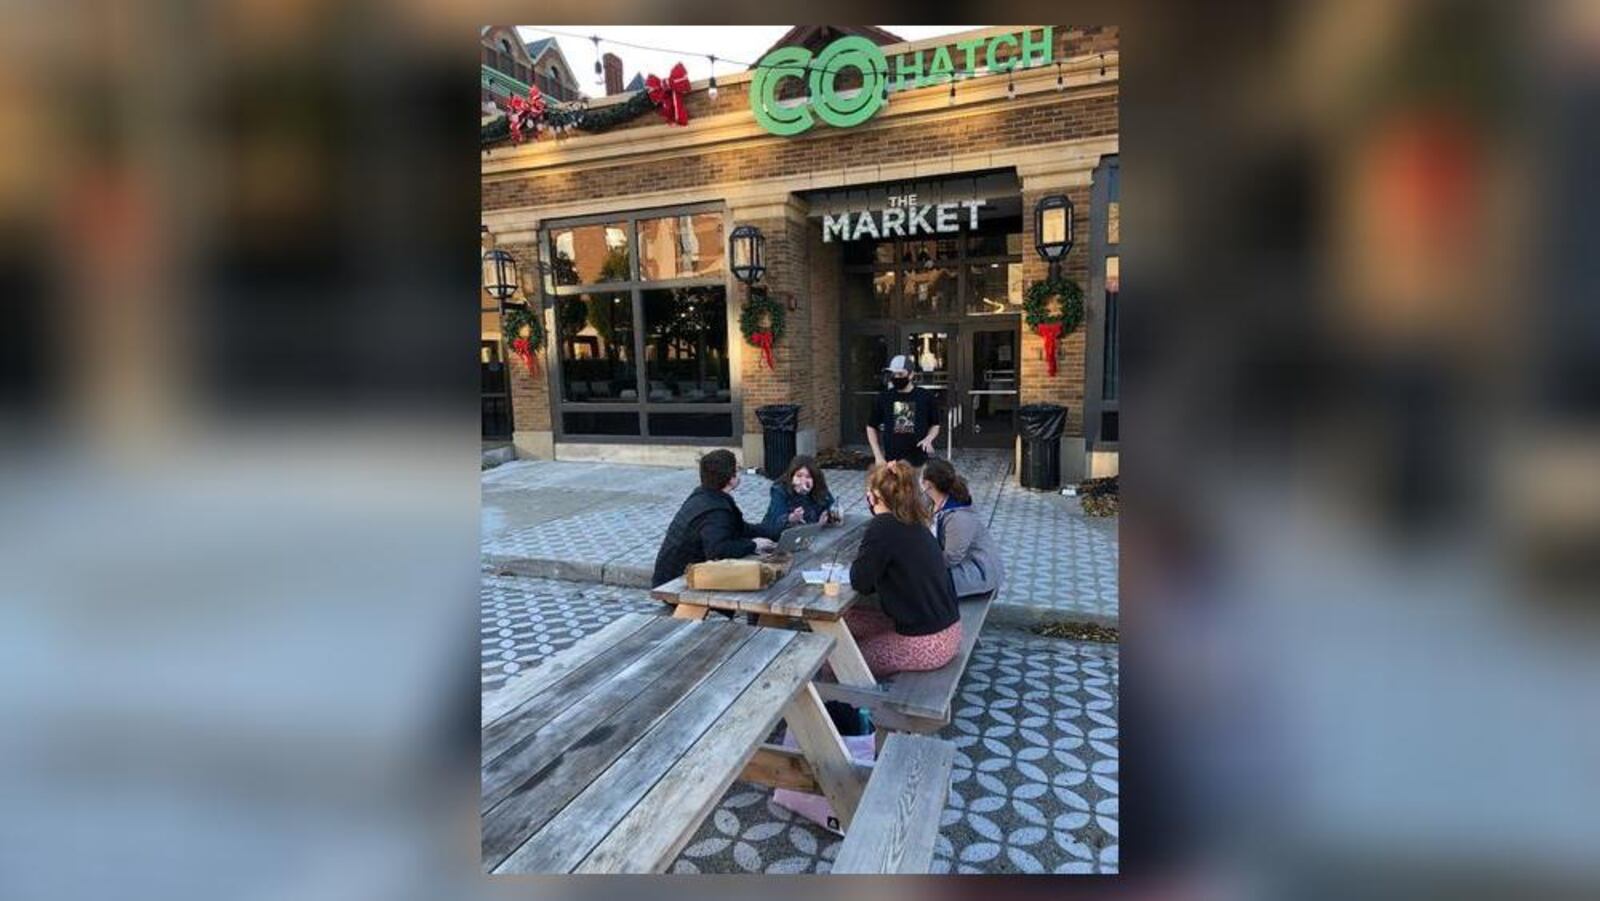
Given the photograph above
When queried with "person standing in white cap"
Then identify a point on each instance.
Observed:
(905, 419)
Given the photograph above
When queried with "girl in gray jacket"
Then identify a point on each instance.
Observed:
(969, 553)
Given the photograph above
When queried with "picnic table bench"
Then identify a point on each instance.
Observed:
(608, 756)
(908, 702)
(917, 701)
(791, 598)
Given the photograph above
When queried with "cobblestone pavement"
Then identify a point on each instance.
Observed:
(1035, 724)
(602, 522)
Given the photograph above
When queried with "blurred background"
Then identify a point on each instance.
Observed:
(238, 490)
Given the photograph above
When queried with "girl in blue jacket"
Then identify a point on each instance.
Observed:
(800, 497)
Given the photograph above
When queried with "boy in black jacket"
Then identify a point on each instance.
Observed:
(709, 525)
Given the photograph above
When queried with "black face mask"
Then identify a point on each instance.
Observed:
(900, 382)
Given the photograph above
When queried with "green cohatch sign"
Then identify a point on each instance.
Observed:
(842, 109)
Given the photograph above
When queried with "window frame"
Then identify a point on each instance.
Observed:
(634, 288)
(1105, 190)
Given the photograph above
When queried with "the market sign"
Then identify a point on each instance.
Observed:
(903, 217)
(997, 53)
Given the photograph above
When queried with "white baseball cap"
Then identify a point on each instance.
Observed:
(901, 363)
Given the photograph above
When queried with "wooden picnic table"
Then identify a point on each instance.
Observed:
(790, 598)
(609, 755)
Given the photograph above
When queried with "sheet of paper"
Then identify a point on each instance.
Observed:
(818, 576)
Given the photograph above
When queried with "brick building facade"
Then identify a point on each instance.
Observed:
(666, 374)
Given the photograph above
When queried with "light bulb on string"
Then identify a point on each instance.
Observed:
(952, 90)
(1011, 86)
(1061, 85)
(1102, 65)
(599, 71)
(711, 90)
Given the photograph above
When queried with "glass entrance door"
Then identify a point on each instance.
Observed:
(988, 415)
(933, 348)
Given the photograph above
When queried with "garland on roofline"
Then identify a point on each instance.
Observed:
(533, 116)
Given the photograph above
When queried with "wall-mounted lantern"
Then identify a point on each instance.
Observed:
(747, 249)
(499, 274)
(1053, 227)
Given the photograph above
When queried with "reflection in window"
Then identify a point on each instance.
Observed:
(590, 254)
(929, 291)
(931, 351)
(688, 246)
(994, 288)
(869, 295)
(686, 346)
(595, 335)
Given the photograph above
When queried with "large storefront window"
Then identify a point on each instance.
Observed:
(686, 346)
(976, 274)
(642, 324)
(590, 254)
(596, 339)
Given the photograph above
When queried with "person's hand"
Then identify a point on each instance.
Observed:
(797, 515)
(926, 444)
(834, 517)
(765, 545)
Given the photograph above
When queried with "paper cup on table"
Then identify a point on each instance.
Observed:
(830, 588)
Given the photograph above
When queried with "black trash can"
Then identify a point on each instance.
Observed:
(1042, 425)
(779, 422)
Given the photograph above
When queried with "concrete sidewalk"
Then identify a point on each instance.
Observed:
(603, 522)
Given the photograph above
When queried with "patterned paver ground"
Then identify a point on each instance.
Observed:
(1034, 722)
(602, 522)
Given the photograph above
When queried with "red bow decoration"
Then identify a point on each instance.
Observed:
(763, 340)
(1050, 331)
(524, 349)
(668, 94)
(525, 114)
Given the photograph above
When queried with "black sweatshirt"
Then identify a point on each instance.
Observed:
(709, 526)
(905, 567)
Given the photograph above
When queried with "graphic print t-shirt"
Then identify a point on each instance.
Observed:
(902, 419)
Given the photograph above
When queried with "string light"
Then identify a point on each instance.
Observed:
(711, 90)
(599, 72)
(1011, 86)
(952, 89)
(1061, 85)
(1102, 65)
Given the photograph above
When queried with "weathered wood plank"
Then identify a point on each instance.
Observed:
(830, 760)
(690, 612)
(789, 596)
(521, 746)
(897, 823)
(779, 767)
(928, 694)
(849, 667)
(573, 833)
(522, 687)
(688, 792)
(571, 683)
(517, 728)
(917, 702)
(555, 781)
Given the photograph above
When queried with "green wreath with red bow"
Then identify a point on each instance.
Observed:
(761, 322)
(1053, 307)
(517, 320)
